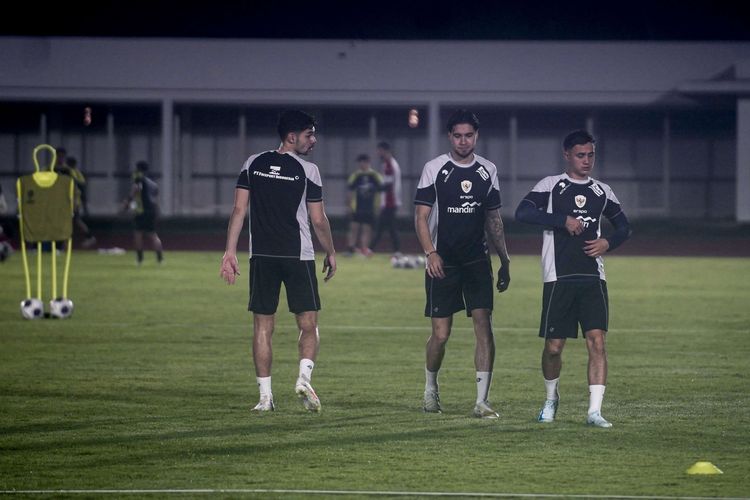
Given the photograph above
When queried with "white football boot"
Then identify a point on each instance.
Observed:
(483, 410)
(549, 410)
(597, 420)
(307, 395)
(265, 404)
(431, 402)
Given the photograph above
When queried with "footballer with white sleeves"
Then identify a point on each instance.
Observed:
(570, 206)
(285, 196)
(457, 202)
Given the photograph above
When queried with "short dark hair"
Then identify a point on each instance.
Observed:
(293, 120)
(141, 166)
(384, 145)
(577, 138)
(363, 157)
(463, 116)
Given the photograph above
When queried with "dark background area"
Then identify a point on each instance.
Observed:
(661, 237)
(438, 20)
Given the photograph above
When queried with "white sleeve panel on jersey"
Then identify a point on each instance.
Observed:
(547, 184)
(311, 171)
(250, 161)
(612, 208)
(307, 251)
(430, 171)
(608, 191)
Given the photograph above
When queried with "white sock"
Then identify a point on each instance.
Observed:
(484, 379)
(431, 383)
(305, 369)
(596, 395)
(551, 386)
(264, 384)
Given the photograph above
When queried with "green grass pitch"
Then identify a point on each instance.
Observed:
(150, 383)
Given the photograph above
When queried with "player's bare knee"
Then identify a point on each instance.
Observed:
(553, 348)
(596, 341)
(307, 324)
(482, 320)
(440, 336)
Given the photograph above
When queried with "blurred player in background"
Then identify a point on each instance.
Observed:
(390, 200)
(144, 201)
(69, 166)
(5, 247)
(285, 194)
(362, 199)
(457, 201)
(570, 207)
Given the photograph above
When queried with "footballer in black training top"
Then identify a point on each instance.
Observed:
(570, 207)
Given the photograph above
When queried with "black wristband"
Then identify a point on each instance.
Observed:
(427, 255)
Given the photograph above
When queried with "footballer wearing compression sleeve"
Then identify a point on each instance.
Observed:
(549, 204)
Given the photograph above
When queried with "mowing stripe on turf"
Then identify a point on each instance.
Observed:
(343, 492)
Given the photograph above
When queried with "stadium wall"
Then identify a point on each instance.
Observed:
(665, 114)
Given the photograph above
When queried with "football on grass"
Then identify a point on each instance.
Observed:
(61, 308)
(32, 308)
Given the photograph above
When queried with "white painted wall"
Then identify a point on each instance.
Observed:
(353, 71)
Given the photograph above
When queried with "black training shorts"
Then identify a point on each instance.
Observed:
(566, 304)
(364, 217)
(145, 222)
(268, 273)
(468, 286)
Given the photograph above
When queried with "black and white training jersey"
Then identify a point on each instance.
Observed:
(558, 197)
(459, 195)
(280, 187)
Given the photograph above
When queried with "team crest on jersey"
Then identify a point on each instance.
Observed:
(596, 189)
(275, 170)
(466, 186)
(580, 200)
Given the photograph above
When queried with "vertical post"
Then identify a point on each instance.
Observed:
(590, 128)
(512, 159)
(666, 164)
(111, 161)
(241, 155)
(241, 138)
(743, 161)
(179, 188)
(433, 129)
(373, 133)
(111, 154)
(167, 163)
(43, 128)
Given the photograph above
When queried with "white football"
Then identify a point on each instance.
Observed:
(409, 262)
(61, 308)
(32, 308)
